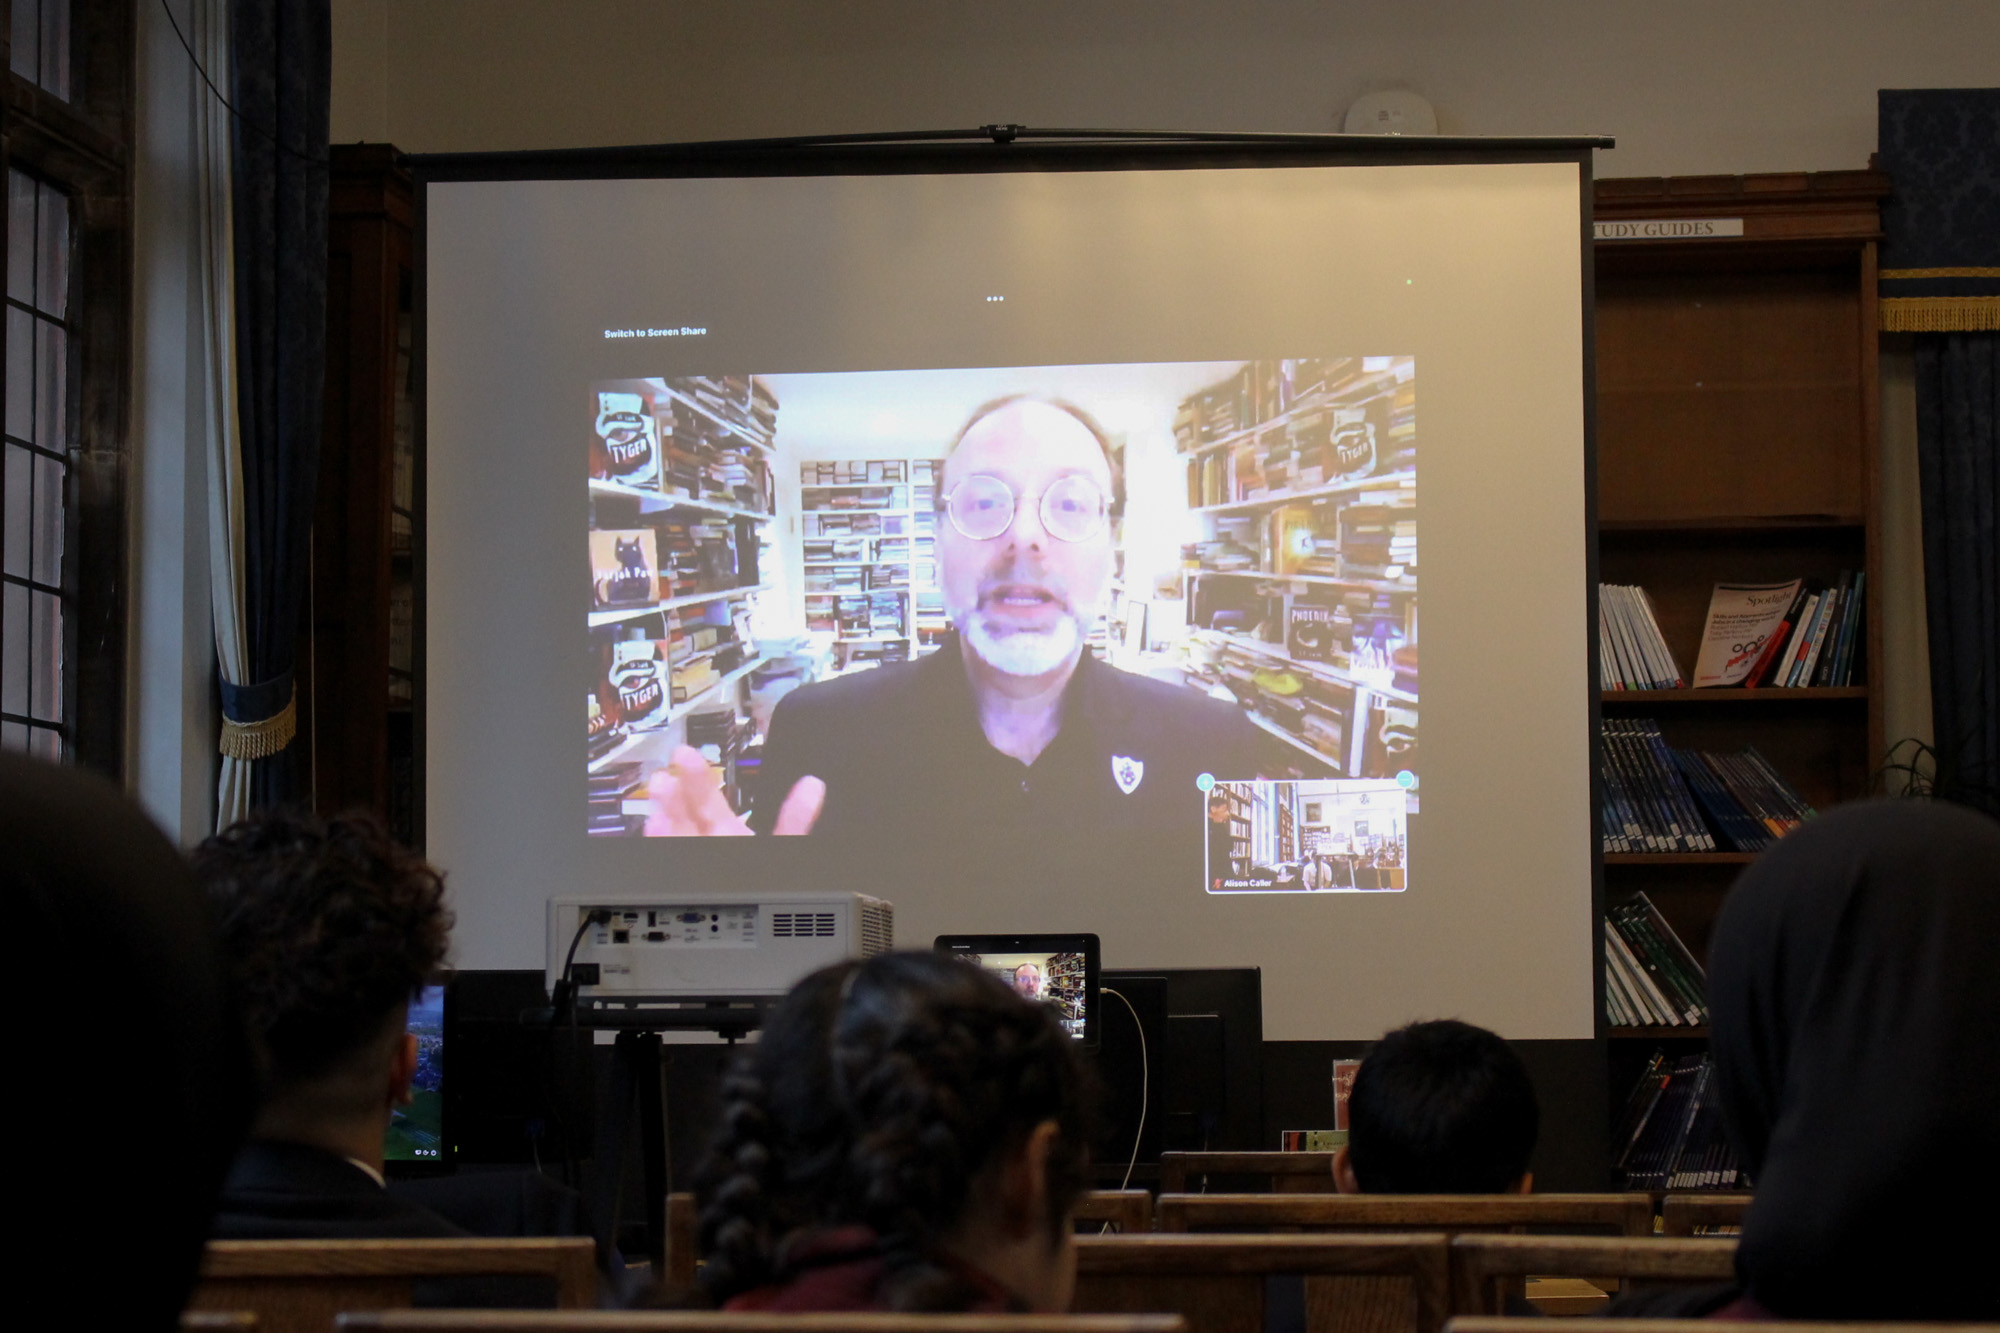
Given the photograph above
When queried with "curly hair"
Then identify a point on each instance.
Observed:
(876, 1095)
(327, 924)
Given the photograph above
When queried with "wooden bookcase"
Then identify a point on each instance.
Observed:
(867, 532)
(1737, 438)
(356, 691)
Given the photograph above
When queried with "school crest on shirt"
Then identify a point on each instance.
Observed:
(1126, 772)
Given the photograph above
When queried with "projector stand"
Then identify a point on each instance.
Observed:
(637, 1081)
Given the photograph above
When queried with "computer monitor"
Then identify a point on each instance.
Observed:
(1060, 970)
(416, 1132)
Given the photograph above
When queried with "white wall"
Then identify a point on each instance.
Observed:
(1692, 87)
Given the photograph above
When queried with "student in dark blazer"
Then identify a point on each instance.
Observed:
(328, 930)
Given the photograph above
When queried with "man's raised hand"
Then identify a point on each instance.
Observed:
(687, 802)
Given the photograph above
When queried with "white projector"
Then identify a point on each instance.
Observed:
(674, 960)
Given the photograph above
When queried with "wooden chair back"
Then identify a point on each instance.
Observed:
(1128, 1210)
(1217, 1282)
(683, 1246)
(1492, 1324)
(218, 1321)
(1285, 1172)
(1617, 1214)
(1688, 1214)
(1485, 1269)
(299, 1286)
(713, 1321)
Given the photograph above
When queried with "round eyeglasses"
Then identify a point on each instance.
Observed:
(981, 507)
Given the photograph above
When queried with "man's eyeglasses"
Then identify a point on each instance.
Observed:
(982, 507)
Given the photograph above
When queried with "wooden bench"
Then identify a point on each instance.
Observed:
(713, 1321)
(1483, 1323)
(1285, 1172)
(1217, 1282)
(299, 1286)
(1489, 1324)
(1619, 1214)
(1687, 1214)
(1486, 1269)
(1127, 1210)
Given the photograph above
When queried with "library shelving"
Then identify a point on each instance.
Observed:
(868, 530)
(1737, 440)
(1302, 586)
(682, 502)
(363, 608)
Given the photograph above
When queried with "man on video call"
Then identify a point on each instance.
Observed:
(1012, 729)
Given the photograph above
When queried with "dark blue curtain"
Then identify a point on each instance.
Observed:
(1941, 282)
(281, 54)
(1958, 452)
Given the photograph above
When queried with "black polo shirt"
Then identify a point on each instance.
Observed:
(909, 771)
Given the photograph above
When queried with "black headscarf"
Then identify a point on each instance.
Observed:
(123, 1035)
(1854, 979)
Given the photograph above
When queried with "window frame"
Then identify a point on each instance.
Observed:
(84, 147)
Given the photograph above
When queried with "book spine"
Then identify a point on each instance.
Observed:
(1672, 669)
(1686, 992)
(1851, 633)
(1654, 1000)
(1795, 651)
(1771, 662)
(1829, 611)
(1698, 838)
(1743, 832)
(1823, 667)
(1658, 837)
(1786, 795)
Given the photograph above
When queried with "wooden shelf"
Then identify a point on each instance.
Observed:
(1659, 1032)
(614, 615)
(653, 502)
(1813, 694)
(1744, 524)
(1318, 580)
(1392, 479)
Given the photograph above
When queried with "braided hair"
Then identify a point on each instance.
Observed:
(875, 1096)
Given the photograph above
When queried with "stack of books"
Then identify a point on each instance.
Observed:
(1656, 798)
(1650, 978)
(1745, 800)
(1379, 542)
(1816, 644)
(1646, 805)
(1632, 654)
(1671, 1137)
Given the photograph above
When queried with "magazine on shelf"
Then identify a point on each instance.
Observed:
(1742, 618)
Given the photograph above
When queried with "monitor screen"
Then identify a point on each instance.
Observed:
(416, 1131)
(1057, 970)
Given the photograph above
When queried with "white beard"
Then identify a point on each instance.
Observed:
(1023, 652)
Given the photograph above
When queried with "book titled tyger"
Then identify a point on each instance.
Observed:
(1741, 619)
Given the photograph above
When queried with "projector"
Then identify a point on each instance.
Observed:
(690, 960)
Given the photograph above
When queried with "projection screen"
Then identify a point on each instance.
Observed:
(723, 532)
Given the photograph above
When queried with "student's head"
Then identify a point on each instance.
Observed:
(1025, 504)
(1439, 1108)
(1855, 1003)
(915, 1095)
(329, 928)
(126, 1043)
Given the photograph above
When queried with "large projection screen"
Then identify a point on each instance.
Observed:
(684, 443)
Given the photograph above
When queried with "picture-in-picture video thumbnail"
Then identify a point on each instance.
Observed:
(1242, 531)
(1054, 978)
(416, 1131)
(1307, 837)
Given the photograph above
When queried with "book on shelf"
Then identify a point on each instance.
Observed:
(1631, 651)
(1742, 619)
(1651, 980)
(1656, 798)
(1815, 644)
(1670, 1136)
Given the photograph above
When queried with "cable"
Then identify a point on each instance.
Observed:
(1145, 1084)
(195, 60)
